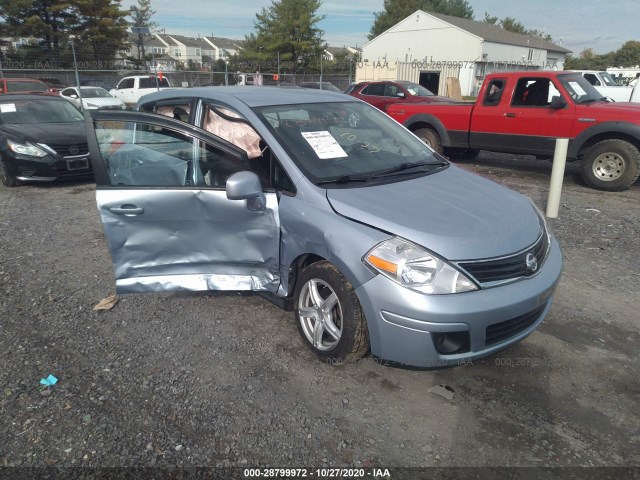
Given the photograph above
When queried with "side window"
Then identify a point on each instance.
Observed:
(390, 90)
(232, 127)
(494, 92)
(142, 154)
(533, 92)
(592, 79)
(179, 111)
(68, 93)
(376, 89)
(126, 83)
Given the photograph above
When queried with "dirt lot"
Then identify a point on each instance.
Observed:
(191, 379)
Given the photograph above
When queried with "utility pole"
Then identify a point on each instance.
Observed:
(75, 67)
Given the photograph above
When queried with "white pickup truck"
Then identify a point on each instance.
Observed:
(606, 85)
(131, 89)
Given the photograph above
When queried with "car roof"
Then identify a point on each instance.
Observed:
(252, 96)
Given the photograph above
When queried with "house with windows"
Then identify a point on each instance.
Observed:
(428, 48)
(222, 48)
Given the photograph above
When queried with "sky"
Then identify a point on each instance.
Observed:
(573, 24)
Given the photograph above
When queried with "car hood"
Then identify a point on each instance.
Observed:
(456, 214)
(101, 101)
(48, 133)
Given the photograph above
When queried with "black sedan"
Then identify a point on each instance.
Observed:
(42, 138)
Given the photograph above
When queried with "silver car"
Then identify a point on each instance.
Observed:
(331, 209)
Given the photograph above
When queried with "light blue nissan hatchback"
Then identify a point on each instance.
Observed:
(330, 208)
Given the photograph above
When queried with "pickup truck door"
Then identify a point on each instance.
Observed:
(528, 123)
(126, 91)
(486, 115)
(160, 190)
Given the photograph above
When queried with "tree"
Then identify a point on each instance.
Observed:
(101, 29)
(628, 55)
(288, 28)
(46, 20)
(397, 10)
(512, 25)
(141, 18)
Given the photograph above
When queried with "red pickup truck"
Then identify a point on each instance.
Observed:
(524, 112)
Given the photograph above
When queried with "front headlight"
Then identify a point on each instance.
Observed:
(414, 267)
(26, 149)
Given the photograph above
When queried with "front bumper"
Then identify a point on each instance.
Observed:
(404, 324)
(49, 168)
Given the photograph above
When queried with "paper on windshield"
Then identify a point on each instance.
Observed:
(7, 108)
(577, 88)
(324, 144)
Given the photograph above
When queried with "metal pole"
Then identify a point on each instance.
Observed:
(75, 67)
(278, 82)
(226, 73)
(1, 74)
(320, 70)
(557, 175)
(155, 70)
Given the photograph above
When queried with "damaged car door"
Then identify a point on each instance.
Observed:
(180, 207)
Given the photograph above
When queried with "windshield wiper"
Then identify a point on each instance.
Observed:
(407, 166)
(344, 179)
(591, 100)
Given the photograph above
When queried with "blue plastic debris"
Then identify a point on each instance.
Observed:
(49, 381)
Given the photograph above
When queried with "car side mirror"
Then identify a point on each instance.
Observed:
(246, 186)
(400, 94)
(557, 102)
(73, 95)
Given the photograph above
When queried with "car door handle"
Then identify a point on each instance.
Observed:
(510, 115)
(128, 210)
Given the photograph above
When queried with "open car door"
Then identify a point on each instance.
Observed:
(161, 190)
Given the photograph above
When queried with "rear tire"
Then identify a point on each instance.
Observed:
(611, 165)
(7, 179)
(431, 138)
(329, 316)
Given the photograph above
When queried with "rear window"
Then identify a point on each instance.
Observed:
(151, 82)
(25, 86)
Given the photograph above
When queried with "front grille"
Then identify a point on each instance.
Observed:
(71, 150)
(502, 331)
(508, 268)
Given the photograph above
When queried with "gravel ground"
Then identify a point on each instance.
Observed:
(205, 379)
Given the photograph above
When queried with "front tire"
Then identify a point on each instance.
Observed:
(611, 165)
(7, 179)
(329, 316)
(431, 138)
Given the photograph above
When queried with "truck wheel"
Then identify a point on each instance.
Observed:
(6, 178)
(329, 316)
(430, 137)
(611, 165)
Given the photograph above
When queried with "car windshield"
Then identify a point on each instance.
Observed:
(580, 90)
(38, 111)
(608, 79)
(347, 142)
(417, 90)
(94, 92)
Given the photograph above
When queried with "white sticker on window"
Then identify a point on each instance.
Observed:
(7, 108)
(324, 144)
(577, 88)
